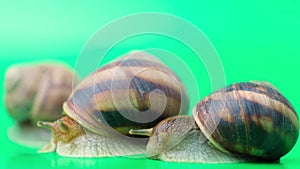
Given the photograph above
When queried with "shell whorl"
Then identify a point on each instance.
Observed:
(94, 102)
(249, 118)
(37, 91)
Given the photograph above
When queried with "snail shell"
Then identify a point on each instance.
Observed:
(244, 122)
(37, 91)
(249, 118)
(135, 91)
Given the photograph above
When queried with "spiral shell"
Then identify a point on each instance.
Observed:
(36, 92)
(250, 118)
(134, 91)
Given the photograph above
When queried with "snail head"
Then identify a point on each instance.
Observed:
(64, 129)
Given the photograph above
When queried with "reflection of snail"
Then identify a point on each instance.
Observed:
(36, 92)
(242, 122)
(102, 105)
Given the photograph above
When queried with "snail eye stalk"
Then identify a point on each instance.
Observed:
(64, 128)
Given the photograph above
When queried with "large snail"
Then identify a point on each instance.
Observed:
(36, 92)
(242, 122)
(135, 91)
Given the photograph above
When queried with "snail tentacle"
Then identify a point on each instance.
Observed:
(141, 132)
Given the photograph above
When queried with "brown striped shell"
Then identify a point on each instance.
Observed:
(36, 92)
(250, 118)
(132, 92)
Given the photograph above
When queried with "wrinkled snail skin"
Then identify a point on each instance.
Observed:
(97, 102)
(70, 139)
(178, 139)
(36, 92)
(248, 121)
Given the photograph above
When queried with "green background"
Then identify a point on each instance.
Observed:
(255, 41)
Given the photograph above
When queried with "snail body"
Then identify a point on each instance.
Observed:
(244, 121)
(135, 91)
(178, 139)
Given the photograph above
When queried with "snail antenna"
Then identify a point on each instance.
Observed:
(141, 132)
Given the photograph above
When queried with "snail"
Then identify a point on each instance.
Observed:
(35, 92)
(135, 91)
(246, 121)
